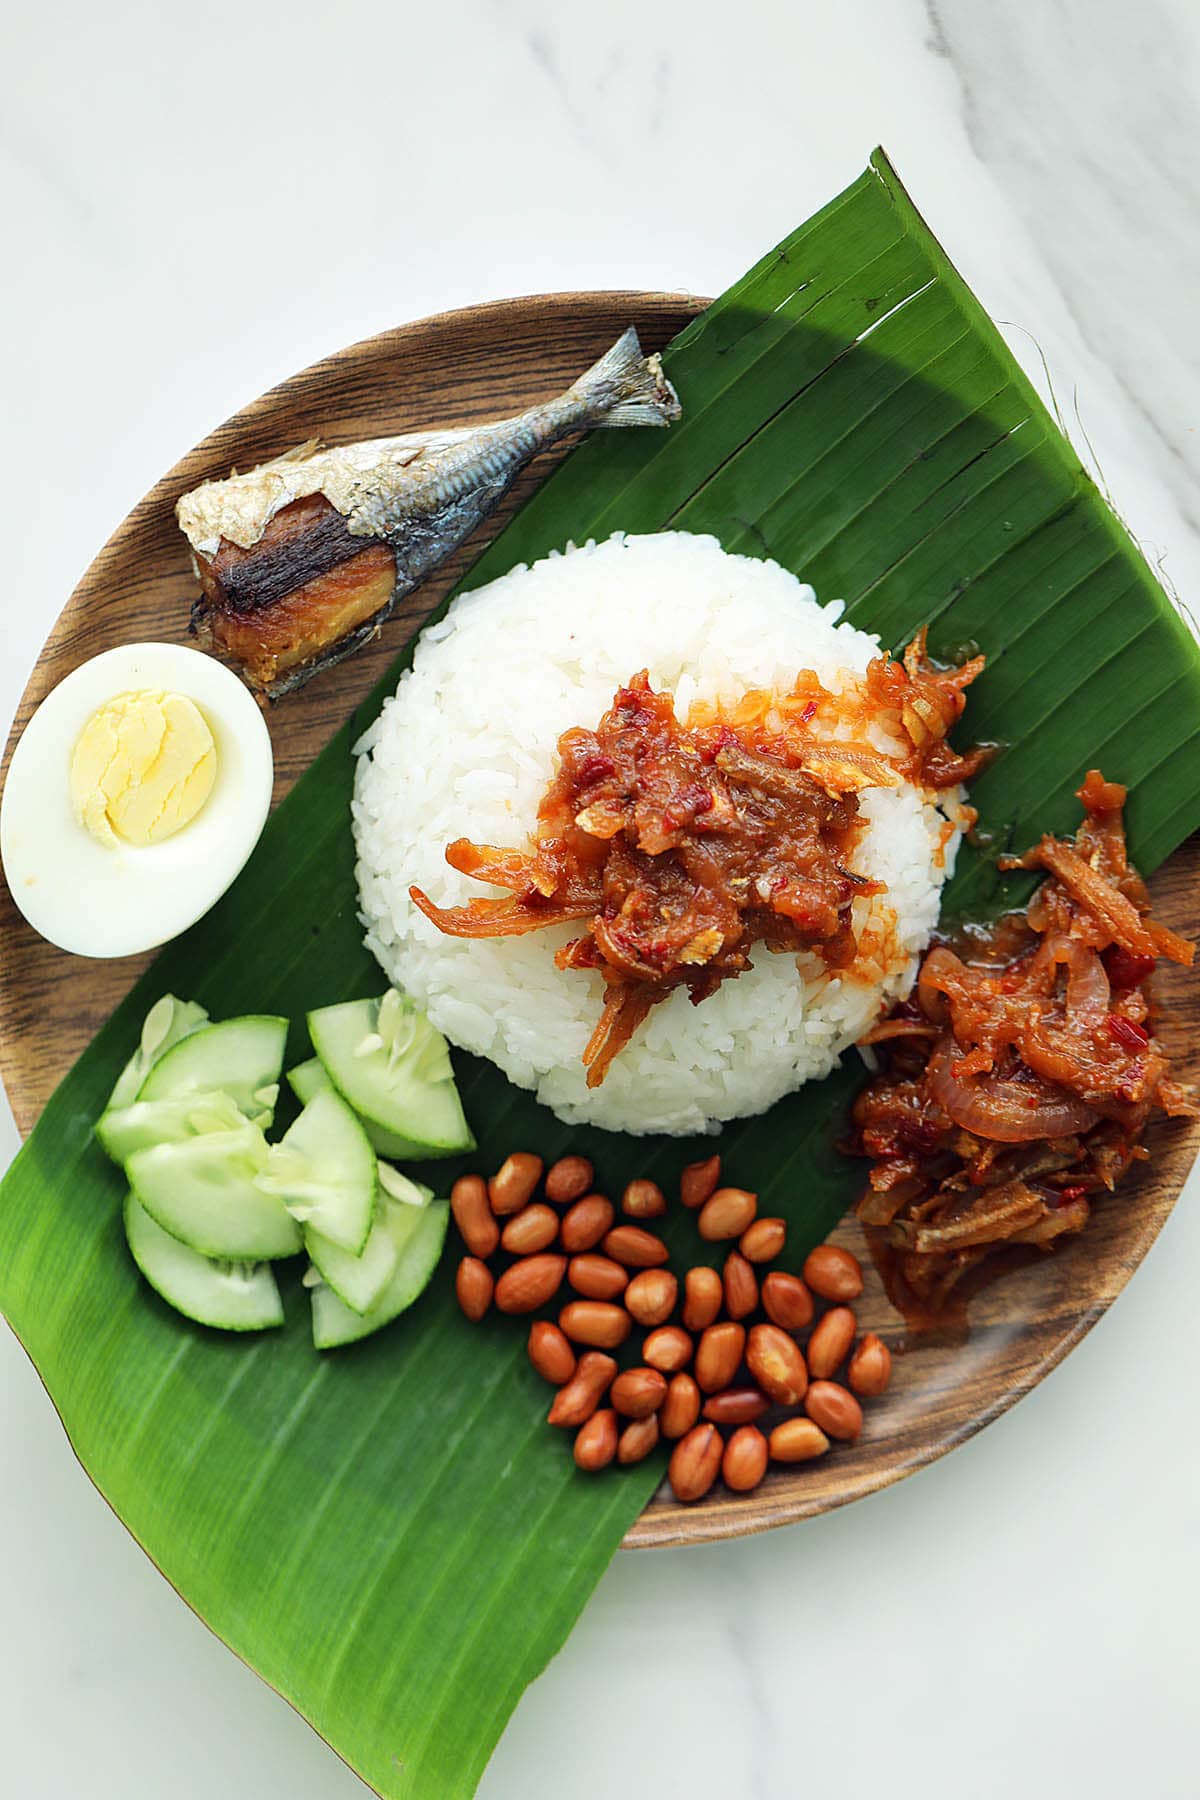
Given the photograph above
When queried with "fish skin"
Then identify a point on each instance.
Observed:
(421, 494)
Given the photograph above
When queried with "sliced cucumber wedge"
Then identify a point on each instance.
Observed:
(243, 1057)
(419, 1234)
(125, 1129)
(165, 1024)
(358, 1281)
(393, 1067)
(307, 1078)
(203, 1191)
(228, 1296)
(323, 1170)
(401, 1187)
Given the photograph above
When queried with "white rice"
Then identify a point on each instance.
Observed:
(466, 749)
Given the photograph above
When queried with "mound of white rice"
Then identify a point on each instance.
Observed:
(466, 749)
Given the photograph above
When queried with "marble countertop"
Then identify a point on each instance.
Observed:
(198, 203)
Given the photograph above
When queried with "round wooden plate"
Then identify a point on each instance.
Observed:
(460, 368)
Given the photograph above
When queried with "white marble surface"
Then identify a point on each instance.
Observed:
(198, 201)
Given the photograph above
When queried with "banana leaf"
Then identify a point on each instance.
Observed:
(391, 1535)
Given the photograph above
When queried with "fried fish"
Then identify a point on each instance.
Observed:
(302, 559)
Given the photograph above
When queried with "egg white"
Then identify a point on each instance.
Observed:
(105, 902)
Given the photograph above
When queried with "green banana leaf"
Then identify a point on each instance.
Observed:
(391, 1535)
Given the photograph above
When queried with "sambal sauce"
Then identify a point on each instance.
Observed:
(1017, 1081)
(680, 847)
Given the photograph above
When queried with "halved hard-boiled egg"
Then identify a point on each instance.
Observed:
(136, 793)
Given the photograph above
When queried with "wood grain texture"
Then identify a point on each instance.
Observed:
(467, 367)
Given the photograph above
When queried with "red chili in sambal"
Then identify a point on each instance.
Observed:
(1017, 1081)
(679, 847)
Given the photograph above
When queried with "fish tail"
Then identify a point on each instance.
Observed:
(627, 388)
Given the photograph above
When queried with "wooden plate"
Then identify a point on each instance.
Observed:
(460, 368)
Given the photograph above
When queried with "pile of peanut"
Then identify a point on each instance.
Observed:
(717, 1368)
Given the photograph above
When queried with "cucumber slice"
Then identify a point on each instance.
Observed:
(323, 1170)
(165, 1024)
(243, 1057)
(358, 1281)
(419, 1236)
(389, 1062)
(124, 1129)
(399, 1186)
(203, 1192)
(228, 1296)
(307, 1078)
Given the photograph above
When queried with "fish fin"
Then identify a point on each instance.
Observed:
(300, 452)
(629, 388)
(410, 445)
(405, 448)
(297, 454)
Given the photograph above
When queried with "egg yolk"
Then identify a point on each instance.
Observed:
(143, 767)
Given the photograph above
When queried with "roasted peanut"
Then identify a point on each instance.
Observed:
(534, 1228)
(474, 1217)
(835, 1410)
(681, 1408)
(644, 1200)
(550, 1353)
(698, 1181)
(703, 1293)
(833, 1273)
(474, 1285)
(741, 1286)
(586, 1223)
(797, 1440)
(529, 1283)
(568, 1179)
(764, 1240)
(514, 1181)
(695, 1462)
(775, 1361)
(726, 1214)
(636, 1248)
(596, 1441)
(595, 1322)
(830, 1342)
(580, 1397)
(786, 1301)
(598, 1277)
(745, 1460)
(651, 1296)
(736, 1406)
(669, 1349)
(870, 1367)
(639, 1392)
(718, 1354)
(638, 1439)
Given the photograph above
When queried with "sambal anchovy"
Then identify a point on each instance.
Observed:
(680, 847)
(1018, 1080)
(302, 559)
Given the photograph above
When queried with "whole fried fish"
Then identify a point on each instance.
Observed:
(302, 559)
